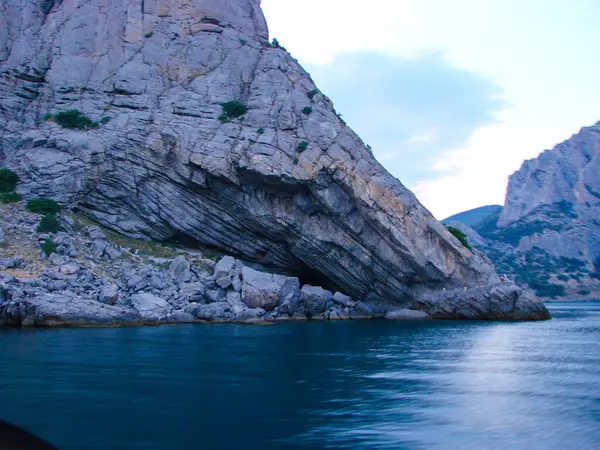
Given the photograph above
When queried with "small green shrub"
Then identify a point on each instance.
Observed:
(302, 146)
(43, 205)
(311, 94)
(243, 41)
(584, 292)
(260, 131)
(8, 180)
(149, 34)
(11, 197)
(233, 109)
(48, 224)
(48, 247)
(104, 120)
(462, 237)
(307, 110)
(563, 277)
(224, 119)
(276, 44)
(74, 120)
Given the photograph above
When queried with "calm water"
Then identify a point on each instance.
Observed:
(365, 385)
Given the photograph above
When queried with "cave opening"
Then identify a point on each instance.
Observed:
(305, 274)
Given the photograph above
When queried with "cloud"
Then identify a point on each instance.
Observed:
(421, 138)
(410, 110)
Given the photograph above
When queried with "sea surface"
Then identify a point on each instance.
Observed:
(357, 384)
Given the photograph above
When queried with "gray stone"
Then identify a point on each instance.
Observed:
(500, 301)
(1, 236)
(98, 248)
(236, 284)
(406, 314)
(224, 282)
(234, 298)
(343, 300)
(57, 285)
(192, 292)
(11, 263)
(180, 317)
(213, 311)
(150, 306)
(69, 269)
(108, 294)
(50, 310)
(57, 260)
(315, 299)
(212, 295)
(224, 267)
(265, 290)
(250, 314)
(180, 269)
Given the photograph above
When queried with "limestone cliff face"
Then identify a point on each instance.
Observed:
(288, 184)
(548, 232)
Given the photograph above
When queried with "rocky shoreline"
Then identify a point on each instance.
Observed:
(88, 280)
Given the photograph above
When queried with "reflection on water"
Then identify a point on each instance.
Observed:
(365, 385)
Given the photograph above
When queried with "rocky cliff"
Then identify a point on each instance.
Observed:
(178, 121)
(547, 235)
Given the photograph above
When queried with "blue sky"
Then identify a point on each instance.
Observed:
(451, 95)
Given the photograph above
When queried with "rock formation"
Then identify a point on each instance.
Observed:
(547, 235)
(194, 128)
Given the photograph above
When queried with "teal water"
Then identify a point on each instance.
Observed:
(363, 385)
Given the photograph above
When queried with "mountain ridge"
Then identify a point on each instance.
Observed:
(196, 128)
(547, 234)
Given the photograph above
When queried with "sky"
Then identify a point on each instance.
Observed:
(452, 95)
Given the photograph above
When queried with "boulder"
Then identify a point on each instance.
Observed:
(343, 300)
(180, 269)
(499, 301)
(150, 306)
(193, 292)
(266, 290)
(108, 294)
(406, 314)
(50, 310)
(213, 312)
(224, 267)
(315, 299)
(11, 263)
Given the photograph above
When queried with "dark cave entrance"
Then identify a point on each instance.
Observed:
(305, 274)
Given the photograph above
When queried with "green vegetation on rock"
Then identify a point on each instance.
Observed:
(462, 237)
(311, 94)
(302, 146)
(73, 120)
(307, 110)
(48, 224)
(233, 109)
(8, 181)
(43, 205)
(11, 197)
(48, 247)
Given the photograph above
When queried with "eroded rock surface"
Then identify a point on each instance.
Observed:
(295, 191)
(547, 235)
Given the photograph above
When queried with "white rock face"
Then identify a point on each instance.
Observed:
(163, 165)
(548, 232)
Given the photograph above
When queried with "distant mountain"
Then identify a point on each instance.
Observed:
(547, 235)
(473, 217)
